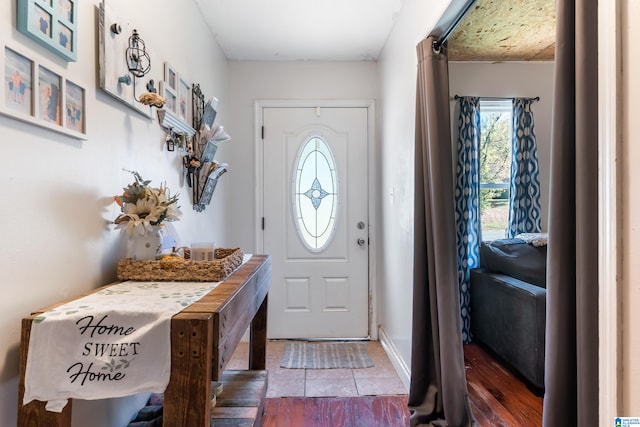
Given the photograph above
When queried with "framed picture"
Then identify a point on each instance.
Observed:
(39, 95)
(184, 100)
(52, 23)
(18, 82)
(170, 76)
(74, 107)
(170, 95)
(49, 99)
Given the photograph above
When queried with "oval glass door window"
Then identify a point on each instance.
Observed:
(315, 198)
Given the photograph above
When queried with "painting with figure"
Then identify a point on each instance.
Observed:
(74, 106)
(64, 37)
(49, 91)
(42, 20)
(17, 81)
(65, 10)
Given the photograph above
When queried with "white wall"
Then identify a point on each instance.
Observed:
(397, 111)
(511, 79)
(256, 80)
(57, 192)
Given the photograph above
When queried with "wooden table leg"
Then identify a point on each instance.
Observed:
(258, 338)
(34, 413)
(187, 400)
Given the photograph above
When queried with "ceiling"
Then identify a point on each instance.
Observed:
(292, 30)
(334, 30)
(506, 30)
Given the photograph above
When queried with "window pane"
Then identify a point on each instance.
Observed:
(494, 208)
(315, 194)
(495, 167)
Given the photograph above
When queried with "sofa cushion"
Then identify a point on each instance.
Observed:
(516, 258)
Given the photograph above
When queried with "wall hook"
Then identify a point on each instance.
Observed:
(126, 79)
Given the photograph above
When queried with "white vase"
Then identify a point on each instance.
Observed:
(145, 246)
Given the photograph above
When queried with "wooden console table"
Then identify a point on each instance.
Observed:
(203, 339)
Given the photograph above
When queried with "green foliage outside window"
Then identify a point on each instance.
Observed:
(495, 169)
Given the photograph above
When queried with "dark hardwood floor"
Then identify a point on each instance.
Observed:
(497, 398)
(362, 411)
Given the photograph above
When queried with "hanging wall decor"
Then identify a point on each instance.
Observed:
(170, 97)
(201, 169)
(175, 117)
(51, 23)
(184, 100)
(177, 92)
(38, 94)
(127, 67)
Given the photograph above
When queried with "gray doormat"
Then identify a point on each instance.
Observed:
(307, 355)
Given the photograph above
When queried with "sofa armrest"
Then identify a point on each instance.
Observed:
(508, 316)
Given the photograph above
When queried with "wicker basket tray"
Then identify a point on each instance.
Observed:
(181, 270)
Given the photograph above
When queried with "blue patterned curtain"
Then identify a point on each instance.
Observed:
(467, 201)
(524, 189)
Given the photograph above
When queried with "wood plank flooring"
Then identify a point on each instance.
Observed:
(364, 411)
(497, 399)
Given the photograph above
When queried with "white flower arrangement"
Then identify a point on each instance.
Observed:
(144, 207)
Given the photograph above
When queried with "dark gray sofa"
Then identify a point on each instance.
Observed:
(508, 305)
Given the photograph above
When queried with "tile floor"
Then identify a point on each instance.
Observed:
(380, 379)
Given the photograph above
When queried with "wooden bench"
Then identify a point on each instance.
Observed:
(203, 339)
(241, 403)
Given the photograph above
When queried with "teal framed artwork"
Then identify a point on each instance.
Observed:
(52, 23)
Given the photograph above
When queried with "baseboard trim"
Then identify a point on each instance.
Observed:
(394, 356)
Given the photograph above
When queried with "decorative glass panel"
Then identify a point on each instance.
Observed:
(315, 198)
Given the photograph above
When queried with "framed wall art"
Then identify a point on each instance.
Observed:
(18, 82)
(170, 95)
(175, 117)
(74, 107)
(170, 76)
(49, 90)
(184, 100)
(39, 95)
(52, 23)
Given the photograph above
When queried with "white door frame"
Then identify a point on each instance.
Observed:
(259, 105)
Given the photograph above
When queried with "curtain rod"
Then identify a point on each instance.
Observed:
(537, 98)
(450, 20)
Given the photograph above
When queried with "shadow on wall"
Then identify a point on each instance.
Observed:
(9, 377)
(11, 365)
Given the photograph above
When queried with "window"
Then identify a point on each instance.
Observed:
(315, 194)
(495, 167)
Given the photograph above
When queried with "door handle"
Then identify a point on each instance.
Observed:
(361, 242)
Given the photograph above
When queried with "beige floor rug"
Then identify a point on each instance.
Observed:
(326, 355)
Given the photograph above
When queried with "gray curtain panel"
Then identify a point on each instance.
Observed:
(571, 360)
(438, 390)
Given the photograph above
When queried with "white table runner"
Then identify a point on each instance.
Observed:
(115, 342)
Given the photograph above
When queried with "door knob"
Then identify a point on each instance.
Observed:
(361, 242)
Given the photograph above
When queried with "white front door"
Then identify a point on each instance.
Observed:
(315, 204)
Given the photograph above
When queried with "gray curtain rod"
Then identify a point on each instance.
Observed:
(449, 23)
(537, 98)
